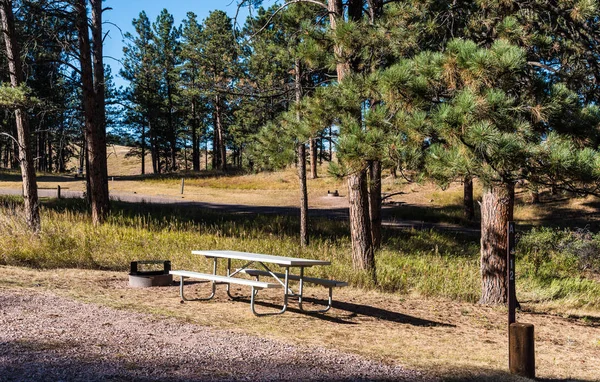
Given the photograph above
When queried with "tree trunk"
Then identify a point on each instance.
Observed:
(303, 195)
(496, 211)
(143, 147)
(468, 201)
(195, 140)
(92, 77)
(39, 152)
(330, 143)
(360, 231)
(172, 129)
(206, 154)
(375, 202)
(49, 153)
(221, 135)
(313, 159)
(185, 157)
(336, 13)
(153, 148)
(360, 227)
(535, 196)
(301, 162)
(215, 157)
(13, 55)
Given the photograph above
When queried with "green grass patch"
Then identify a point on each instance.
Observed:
(452, 214)
(428, 263)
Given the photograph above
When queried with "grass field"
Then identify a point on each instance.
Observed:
(423, 306)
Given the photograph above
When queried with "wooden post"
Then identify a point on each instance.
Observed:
(58, 191)
(510, 261)
(521, 345)
(182, 184)
(521, 352)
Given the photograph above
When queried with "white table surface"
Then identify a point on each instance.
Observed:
(279, 260)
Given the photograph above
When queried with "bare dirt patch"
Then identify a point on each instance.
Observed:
(441, 338)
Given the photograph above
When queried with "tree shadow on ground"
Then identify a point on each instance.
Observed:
(280, 221)
(16, 177)
(452, 214)
(36, 361)
(500, 376)
(352, 311)
(579, 319)
(186, 175)
(557, 215)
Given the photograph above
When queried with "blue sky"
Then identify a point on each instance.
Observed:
(124, 11)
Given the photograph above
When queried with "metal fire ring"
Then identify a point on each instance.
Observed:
(139, 278)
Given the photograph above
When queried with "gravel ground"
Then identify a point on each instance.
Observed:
(44, 337)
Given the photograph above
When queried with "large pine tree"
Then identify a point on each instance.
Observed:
(141, 69)
(15, 66)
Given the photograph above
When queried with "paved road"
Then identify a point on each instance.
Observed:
(330, 213)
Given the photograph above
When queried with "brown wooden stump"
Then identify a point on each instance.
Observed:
(521, 352)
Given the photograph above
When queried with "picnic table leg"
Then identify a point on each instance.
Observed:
(285, 297)
(287, 286)
(183, 298)
(301, 287)
(229, 274)
(330, 297)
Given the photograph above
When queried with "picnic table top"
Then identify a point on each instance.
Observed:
(248, 256)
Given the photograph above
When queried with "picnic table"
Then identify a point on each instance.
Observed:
(279, 280)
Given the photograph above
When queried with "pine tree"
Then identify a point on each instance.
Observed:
(283, 58)
(166, 40)
(191, 54)
(18, 93)
(93, 82)
(140, 68)
(488, 122)
(219, 72)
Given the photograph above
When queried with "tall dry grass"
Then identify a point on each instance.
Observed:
(425, 263)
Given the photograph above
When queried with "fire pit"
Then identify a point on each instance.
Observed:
(144, 273)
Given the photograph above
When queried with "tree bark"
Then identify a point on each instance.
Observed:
(222, 152)
(92, 77)
(172, 129)
(301, 164)
(195, 140)
(215, 145)
(336, 13)
(313, 159)
(496, 211)
(49, 154)
(375, 202)
(13, 55)
(331, 143)
(468, 201)
(143, 147)
(535, 196)
(360, 228)
(303, 195)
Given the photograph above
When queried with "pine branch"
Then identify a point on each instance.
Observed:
(543, 66)
(290, 2)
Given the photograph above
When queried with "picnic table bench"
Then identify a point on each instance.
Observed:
(282, 280)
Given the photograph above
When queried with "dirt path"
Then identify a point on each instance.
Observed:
(330, 213)
(44, 337)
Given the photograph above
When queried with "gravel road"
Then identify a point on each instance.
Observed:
(44, 337)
